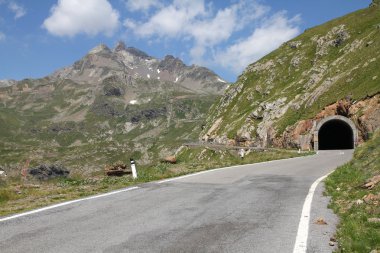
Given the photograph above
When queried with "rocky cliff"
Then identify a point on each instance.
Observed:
(331, 69)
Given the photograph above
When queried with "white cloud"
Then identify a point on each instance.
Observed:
(2, 36)
(192, 19)
(91, 17)
(142, 5)
(264, 39)
(230, 38)
(210, 32)
(17, 9)
(170, 21)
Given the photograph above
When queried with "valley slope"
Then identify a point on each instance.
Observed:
(111, 105)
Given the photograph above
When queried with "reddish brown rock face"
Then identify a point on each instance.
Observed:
(365, 114)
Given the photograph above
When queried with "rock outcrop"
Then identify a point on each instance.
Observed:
(365, 114)
(332, 69)
(45, 172)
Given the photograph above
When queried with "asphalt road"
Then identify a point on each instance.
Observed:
(250, 208)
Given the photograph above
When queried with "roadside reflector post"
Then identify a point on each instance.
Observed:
(241, 153)
(133, 167)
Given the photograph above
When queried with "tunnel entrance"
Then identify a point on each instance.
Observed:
(335, 134)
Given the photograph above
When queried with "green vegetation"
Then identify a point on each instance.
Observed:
(355, 232)
(44, 130)
(19, 194)
(337, 60)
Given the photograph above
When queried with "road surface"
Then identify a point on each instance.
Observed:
(249, 208)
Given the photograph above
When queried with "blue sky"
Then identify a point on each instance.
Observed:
(38, 37)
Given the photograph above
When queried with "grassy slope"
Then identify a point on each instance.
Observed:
(362, 25)
(18, 194)
(355, 233)
(28, 131)
(288, 81)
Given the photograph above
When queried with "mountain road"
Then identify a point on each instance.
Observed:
(247, 208)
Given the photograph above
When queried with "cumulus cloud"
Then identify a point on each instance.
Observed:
(229, 38)
(170, 21)
(219, 28)
(194, 20)
(141, 5)
(270, 35)
(91, 17)
(17, 9)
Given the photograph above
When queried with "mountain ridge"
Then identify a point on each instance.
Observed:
(130, 63)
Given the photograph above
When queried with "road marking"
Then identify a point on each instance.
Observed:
(135, 187)
(67, 203)
(224, 168)
(191, 175)
(303, 228)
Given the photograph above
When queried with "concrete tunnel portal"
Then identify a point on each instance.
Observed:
(335, 133)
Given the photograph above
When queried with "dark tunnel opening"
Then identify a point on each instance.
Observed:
(335, 134)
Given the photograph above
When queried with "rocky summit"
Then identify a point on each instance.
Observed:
(329, 70)
(128, 66)
(110, 105)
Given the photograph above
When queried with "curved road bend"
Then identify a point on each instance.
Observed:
(249, 208)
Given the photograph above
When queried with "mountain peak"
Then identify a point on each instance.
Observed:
(100, 48)
(120, 46)
(137, 52)
(171, 63)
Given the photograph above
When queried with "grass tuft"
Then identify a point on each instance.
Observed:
(355, 232)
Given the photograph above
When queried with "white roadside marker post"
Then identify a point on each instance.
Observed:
(133, 167)
(241, 153)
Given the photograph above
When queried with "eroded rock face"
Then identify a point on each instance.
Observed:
(147, 114)
(335, 38)
(365, 114)
(110, 90)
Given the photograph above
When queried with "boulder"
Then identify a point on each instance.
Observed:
(170, 159)
(117, 169)
(3, 174)
(45, 172)
(371, 183)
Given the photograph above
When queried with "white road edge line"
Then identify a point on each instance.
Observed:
(133, 188)
(66, 203)
(300, 245)
(224, 168)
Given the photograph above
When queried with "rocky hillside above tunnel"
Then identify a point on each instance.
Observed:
(331, 69)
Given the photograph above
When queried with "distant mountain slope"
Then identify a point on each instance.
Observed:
(110, 105)
(129, 65)
(275, 99)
